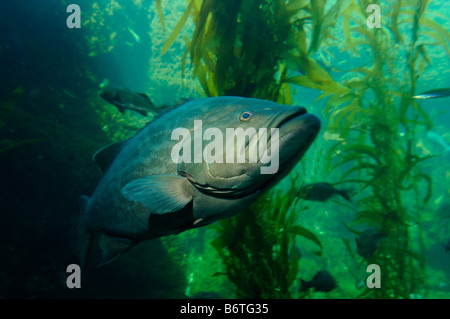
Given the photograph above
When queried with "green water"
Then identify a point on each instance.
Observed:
(52, 120)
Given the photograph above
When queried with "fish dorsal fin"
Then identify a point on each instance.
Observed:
(105, 156)
(161, 194)
(112, 247)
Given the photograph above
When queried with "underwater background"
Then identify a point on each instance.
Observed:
(383, 148)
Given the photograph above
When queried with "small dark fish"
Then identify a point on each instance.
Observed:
(368, 241)
(322, 281)
(321, 192)
(126, 99)
(433, 94)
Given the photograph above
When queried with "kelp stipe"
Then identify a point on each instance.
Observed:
(258, 246)
(380, 134)
(255, 48)
(370, 112)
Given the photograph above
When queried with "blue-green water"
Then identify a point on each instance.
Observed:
(52, 120)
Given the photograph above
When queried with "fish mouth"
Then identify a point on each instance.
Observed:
(297, 131)
(296, 113)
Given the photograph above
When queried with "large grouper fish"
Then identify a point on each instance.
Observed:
(145, 193)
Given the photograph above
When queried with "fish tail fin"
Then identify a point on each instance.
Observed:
(142, 112)
(345, 194)
(84, 239)
(91, 245)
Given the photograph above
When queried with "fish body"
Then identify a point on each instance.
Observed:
(145, 193)
(322, 281)
(128, 100)
(368, 241)
(433, 94)
(135, 36)
(321, 192)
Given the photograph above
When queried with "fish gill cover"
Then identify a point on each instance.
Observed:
(377, 143)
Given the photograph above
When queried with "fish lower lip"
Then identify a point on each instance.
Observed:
(300, 112)
(297, 134)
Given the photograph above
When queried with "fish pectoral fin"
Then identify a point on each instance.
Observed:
(112, 247)
(345, 195)
(160, 193)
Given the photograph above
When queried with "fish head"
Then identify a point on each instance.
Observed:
(248, 144)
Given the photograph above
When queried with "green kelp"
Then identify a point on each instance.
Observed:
(263, 49)
(166, 62)
(259, 49)
(107, 33)
(258, 247)
(379, 122)
(256, 48)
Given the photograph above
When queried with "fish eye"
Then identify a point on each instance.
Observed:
(246, 116)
